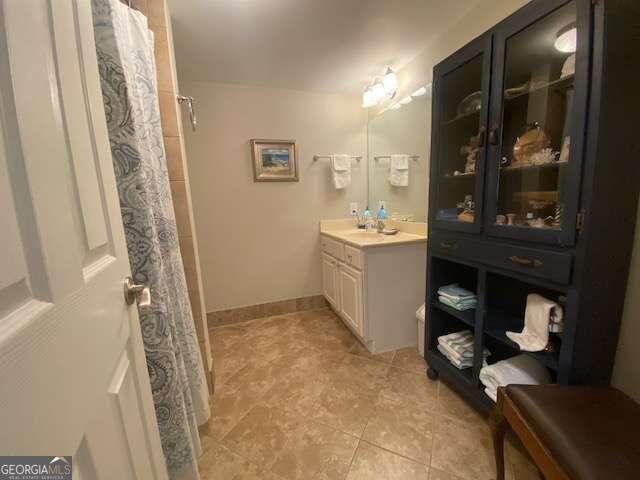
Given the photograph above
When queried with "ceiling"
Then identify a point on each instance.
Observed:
(331, 46)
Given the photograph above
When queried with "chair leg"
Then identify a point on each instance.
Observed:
(499, 427)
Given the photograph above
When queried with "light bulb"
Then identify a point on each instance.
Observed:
(390, 82)
(368, 98)
(378, 91)
(419, 92)
(567, 39)
(405, 100)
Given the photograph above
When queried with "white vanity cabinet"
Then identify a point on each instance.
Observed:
(375, 290)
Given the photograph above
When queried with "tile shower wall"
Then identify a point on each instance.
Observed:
(158, 16)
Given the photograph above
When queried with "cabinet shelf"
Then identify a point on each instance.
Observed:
(442, 363)
(561, 84)
(458, 118)
(466, 316)
(462, 175)
(529, 168)
(496, 326)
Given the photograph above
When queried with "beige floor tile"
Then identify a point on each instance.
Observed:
(399, 425)
(463, 448)
(295, 394)
(371, 462)
(361, 351)
(261, 435)
(410, 359)
(519, 464)
(228, 361)
(225, 338)
(222, 464)
(316, 452)
(257, 376)
(416, 388)
(368, 374)
(344, 406)
(435, 474)
(454, 406)
(228, 406)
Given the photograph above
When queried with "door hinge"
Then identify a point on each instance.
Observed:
(580, 221)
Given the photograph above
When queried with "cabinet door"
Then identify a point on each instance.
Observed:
(330, 280)
(538, 117)
(350, 285)
(460, 116)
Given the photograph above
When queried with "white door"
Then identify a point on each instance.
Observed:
(330, 280)
(350, 291)
(73, 377)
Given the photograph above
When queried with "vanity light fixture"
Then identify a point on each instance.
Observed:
(419, 92)
(406, 100)
(567, 39)
(368, 98)
(390, 83)
(379, 89)
(395, 106)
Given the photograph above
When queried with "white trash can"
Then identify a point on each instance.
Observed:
(420, 316)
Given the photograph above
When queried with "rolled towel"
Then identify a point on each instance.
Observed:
(535, 334)
(521, 370)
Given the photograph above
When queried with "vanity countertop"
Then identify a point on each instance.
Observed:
(345, 232)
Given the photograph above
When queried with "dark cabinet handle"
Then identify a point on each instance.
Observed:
(525, 262)
(447, 245)
(493, 136)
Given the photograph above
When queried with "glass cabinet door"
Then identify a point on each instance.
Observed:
(532, 189)
(459, 135)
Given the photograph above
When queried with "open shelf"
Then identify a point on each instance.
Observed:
(498, 323)
(462, 175)
(466, 316)
(564, 83)
(442, 363)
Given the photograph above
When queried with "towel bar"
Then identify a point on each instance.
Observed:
(318, 157)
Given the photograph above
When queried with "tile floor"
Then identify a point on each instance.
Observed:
(298, 397)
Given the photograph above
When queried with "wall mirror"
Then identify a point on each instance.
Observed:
(393, 134)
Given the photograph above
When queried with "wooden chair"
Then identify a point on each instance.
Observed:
(571, 432)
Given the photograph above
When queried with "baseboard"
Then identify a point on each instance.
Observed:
(242, 314)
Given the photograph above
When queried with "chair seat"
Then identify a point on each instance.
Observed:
(592, 432)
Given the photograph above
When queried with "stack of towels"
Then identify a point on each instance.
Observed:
(457, 297)
(541, 316)
(458, 348)
(520, 370)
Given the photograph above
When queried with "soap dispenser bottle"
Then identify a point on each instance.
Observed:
(368, 219)
(382, 213)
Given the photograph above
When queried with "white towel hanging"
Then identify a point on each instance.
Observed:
(341, 170)
(399, 170)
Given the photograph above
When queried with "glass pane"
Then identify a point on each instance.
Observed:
(459, 142)
(536, 125)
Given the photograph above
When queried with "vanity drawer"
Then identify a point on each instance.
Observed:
(553, 266)
(332, 247)
(353, 257)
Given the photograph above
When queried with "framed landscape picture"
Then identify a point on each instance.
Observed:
(274, 160)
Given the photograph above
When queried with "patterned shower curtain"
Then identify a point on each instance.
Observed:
(128, 78)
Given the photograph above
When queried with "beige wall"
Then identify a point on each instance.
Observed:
(626, 372)
(259, 241)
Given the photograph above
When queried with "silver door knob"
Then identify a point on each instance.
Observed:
(134, 291)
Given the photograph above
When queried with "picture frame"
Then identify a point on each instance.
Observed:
(274, 160)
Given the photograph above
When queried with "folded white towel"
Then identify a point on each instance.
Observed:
(535, 334)
(399, 170)
(341, 170)
(520, 370)
(456, 361)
